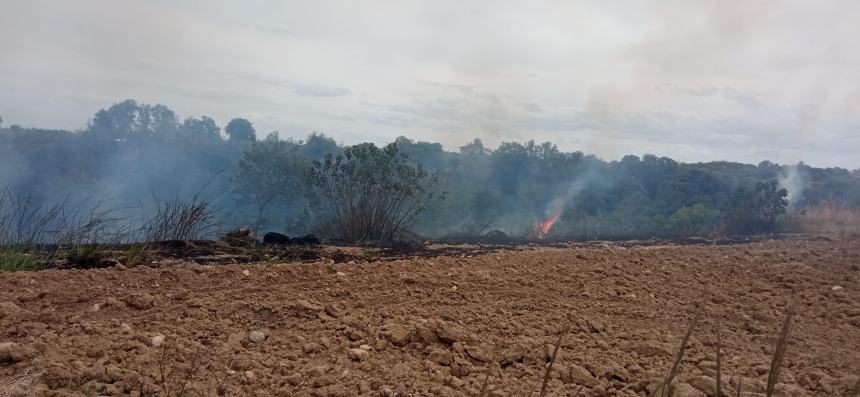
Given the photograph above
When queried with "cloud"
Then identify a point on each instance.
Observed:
(698, 81)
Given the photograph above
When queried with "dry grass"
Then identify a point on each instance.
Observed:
(719, 391)
(829, 217)
(548, 372)
(855, 392)
(18, 385)
(779, 352)
(676, 364)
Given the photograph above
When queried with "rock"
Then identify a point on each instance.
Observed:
(365, 347)
(257, 336)
(581, 376)
(650, 349)
(114, 302)
(761, 369)
(308, 306)
(141, 301)
(686, 390)
(450, 333)
(276, 238)
(120, 267)
(479, 354)
(250, 375)
(9, 309)
(340, 274)
(441, 357)
(125, 327)
(95, 307)
(156, 340)
(836, 288)
(11, 352)
(308, 239)
(357, 354)
(704, 384)
(246, 273)
(397, 334)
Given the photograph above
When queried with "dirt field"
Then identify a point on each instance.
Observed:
(439, 326)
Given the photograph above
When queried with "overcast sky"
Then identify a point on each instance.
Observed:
(691, 80)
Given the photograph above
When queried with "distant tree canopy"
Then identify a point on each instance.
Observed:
(132, 150)
(240, 130)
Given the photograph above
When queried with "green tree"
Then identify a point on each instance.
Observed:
(240, 130)
(204, 127)
(367, 194)
(270, 171)
(697, 220)
(756, 210)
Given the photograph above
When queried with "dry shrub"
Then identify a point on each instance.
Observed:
(829, 217)
(178, 219)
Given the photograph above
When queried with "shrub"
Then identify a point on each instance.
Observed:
(366, 194)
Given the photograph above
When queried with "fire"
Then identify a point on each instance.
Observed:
(542, 227)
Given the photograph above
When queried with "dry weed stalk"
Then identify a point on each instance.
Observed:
(856, 391)
(552, 360)
(719, 359)
(779, 352)
(19, 385)
(664, 388)
(165, 375)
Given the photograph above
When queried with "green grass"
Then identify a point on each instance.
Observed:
(15, 260)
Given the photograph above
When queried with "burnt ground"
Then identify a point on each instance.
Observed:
(439, 324)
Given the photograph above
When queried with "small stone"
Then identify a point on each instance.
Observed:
(357, 354)
(450, 333)
(581, 376)
(398, 335)
(685, 390)
(257, 336)
(308, 306)
(250, 375)
(441, 357)
(125, 327)
(836, 288)
(95, 307)
(365, 347)
(156, 340)
(246, 273)
(340, 274)
(120, 266)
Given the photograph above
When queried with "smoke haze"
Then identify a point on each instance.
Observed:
(694, 81)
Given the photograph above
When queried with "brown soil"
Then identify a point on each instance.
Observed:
(446, 325)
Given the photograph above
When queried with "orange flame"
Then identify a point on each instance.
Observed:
(543, 227)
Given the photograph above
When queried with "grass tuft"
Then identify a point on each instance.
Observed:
(15, 260)
(779, 352)
(673, 371)
(552, 361)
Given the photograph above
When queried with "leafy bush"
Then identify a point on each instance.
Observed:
(366, 194)
(756, 210)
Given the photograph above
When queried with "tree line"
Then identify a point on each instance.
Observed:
(365, 192)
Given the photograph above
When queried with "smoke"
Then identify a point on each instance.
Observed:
(792, 180)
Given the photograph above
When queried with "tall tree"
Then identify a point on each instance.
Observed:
(240, 130)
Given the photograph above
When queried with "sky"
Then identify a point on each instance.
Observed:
(691, 80)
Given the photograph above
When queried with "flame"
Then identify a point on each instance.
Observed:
(543, 227)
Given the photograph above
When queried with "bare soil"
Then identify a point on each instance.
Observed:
(449, 325)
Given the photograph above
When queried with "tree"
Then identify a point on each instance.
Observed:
(240, 130)
(204, 127)
(756, 210)
(367, 194)
(128, 119)
(270, 171)
(697, 220)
